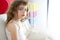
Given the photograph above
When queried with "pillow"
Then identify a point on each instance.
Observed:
(2, 27)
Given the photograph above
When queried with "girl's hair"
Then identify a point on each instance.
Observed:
(13, 8)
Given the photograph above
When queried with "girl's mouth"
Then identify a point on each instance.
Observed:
(22, 15)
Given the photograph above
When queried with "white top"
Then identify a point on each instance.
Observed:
(23, 31)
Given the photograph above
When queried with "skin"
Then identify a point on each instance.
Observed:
(18, 15)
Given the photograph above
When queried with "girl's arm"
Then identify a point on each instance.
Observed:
(13, 30)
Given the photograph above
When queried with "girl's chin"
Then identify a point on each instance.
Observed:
(19, 18)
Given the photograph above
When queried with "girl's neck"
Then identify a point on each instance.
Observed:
(16, 19)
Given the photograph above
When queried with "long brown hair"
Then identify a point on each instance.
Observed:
(13, 8)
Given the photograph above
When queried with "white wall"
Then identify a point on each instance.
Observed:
(40, 20)
(54, 19)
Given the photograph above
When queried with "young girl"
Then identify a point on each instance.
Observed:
(16, 27)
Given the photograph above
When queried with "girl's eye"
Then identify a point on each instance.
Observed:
(25, 9)
(20, 9)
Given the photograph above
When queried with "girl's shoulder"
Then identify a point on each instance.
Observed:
(10, 26)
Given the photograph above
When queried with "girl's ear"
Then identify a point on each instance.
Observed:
(14, 12)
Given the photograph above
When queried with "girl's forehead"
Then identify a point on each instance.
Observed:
(22, 6)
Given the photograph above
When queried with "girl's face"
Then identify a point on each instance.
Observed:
(21, 11)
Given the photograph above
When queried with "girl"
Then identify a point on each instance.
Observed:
(16, 28)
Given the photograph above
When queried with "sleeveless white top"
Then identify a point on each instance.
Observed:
(23, 31)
